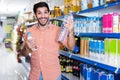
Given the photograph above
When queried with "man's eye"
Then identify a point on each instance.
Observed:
(39, 13)
(46, 12)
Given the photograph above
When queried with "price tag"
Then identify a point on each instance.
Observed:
(70, 55)
(116, 70)
(106, 5)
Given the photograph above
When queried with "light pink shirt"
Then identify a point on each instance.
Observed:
(45, 59)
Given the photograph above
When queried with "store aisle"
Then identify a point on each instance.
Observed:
(9, 68)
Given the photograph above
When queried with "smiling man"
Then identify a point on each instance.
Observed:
(44, 60)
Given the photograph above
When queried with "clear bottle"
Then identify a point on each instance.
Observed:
(31, 42)
(66, 10)
(64, 31)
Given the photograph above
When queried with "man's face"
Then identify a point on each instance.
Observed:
(42, 14)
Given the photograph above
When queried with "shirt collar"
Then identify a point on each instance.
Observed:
(49, 26)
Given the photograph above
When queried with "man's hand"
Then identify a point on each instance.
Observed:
(69, 24)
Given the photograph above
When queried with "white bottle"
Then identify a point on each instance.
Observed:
(31, 42)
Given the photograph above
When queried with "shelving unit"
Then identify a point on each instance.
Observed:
(64, 77)
(76, 14)
(69, 76)
(99, 7)
(91, 62)
(61, 17)
(104, 35)
(87, 60)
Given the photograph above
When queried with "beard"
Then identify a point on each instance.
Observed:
(43, 23)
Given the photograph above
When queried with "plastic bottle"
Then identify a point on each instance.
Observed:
(95, 3)
(64, 31)
(31, 40)
(84, 4)
(115, 22)
(102, 2)
(98, 25)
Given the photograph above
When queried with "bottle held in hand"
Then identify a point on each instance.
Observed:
(31, 42)
(64, 31)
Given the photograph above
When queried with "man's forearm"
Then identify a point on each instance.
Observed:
(71, 41)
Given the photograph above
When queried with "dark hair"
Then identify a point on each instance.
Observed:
(40, 4)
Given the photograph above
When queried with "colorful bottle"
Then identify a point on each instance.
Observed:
(105, 23)
(115, 22)
(110, 23)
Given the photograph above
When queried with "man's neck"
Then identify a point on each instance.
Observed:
(43, 27)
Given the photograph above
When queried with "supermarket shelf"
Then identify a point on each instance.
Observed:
(64, 77)
(58, 18)
(61, 17)
(76, 14)
(30, 24)
(99, 7)
(106, 35)
(91, 62)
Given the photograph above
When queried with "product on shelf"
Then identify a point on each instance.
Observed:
(20, 32)
(69, 65)
(63, 63)
(93, 73)
(52, 14)
(100, 51)
(84, 47)
(57, 11)
(76, 68)
(112, 51)
(89, 4)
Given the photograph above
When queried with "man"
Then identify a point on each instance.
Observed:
(44, 61)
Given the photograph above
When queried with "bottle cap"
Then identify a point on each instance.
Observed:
(28, 33)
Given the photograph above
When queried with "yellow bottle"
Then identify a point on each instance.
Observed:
(66, 10)
(108, 1)
(74, 5)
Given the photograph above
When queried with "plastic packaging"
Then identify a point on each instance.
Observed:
(64, 31)
(31, 41)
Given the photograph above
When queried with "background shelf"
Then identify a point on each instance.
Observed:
(69, 76)
(91, 62)
(99, 7)
(106, 35)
